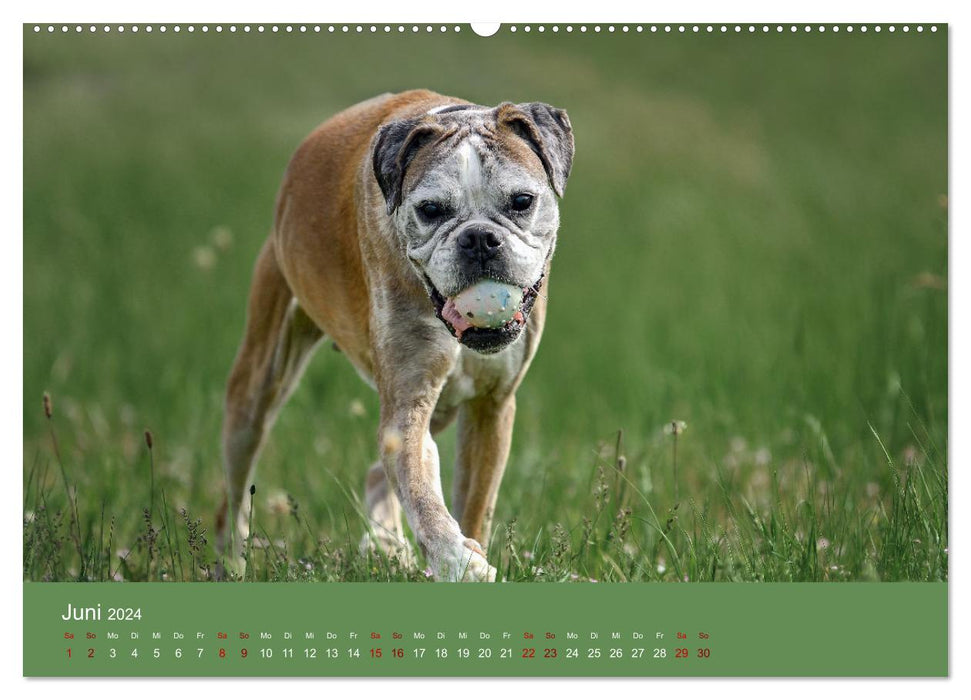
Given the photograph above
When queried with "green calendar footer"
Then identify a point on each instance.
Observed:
(376, 629)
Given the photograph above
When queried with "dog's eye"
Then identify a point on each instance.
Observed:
(431, 210)
(521, 202)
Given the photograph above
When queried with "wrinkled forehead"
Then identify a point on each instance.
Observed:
(474, 152)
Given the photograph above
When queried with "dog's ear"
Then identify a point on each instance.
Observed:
(395, 146)
(548, 132)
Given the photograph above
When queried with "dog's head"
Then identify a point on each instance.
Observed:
(471, 192)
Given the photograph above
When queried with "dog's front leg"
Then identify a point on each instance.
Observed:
(484, 436)
(410, 459)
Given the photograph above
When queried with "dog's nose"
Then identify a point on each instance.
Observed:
(479, 244)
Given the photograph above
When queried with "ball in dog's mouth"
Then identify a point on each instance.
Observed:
(486, 304)
(487, 315)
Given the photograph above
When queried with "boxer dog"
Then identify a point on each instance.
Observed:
(386, 212)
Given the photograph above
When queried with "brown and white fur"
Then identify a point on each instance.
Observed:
(353, 257)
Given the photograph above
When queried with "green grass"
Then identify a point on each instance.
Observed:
(753, 241)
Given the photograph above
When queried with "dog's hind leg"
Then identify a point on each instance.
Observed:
(277, 344)
(385, 531)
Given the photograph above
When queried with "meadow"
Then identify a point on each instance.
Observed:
(744, 374)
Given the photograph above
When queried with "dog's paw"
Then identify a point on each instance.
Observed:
(390, 546)
(230, 560)
(477, 568)
(464, 561)
(229, 568)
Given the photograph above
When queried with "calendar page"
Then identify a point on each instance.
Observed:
(488, 351)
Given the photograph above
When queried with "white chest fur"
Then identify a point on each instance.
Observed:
(475, 375)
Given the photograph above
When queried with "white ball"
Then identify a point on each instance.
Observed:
(489, 304)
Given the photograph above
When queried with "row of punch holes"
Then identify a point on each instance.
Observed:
(414, 28)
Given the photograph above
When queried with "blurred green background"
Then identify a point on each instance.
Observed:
(753, 241)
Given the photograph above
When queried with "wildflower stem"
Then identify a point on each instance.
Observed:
(674, 457)
(151, 467)
(249, 535)
(76, 529)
